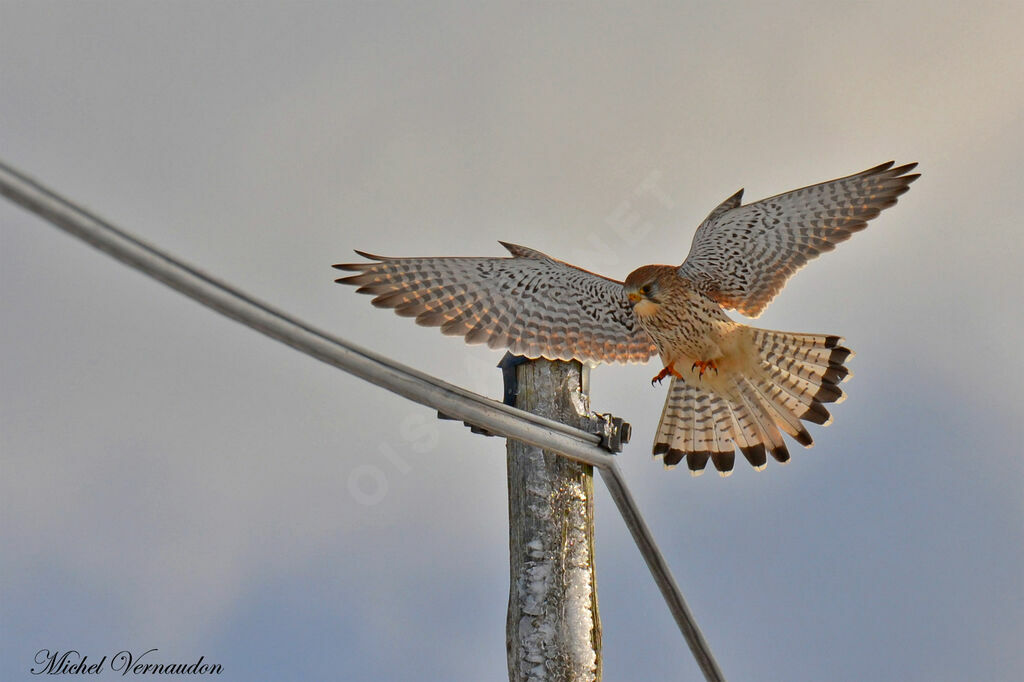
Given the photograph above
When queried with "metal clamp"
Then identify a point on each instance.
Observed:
(614, 431)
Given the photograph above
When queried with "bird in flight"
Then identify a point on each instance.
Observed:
(731, 385)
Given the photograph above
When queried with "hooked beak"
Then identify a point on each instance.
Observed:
(634, 297)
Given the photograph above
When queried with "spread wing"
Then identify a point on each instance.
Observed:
(532, 304)
(742, 256)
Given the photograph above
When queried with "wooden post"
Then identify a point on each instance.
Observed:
(553, 631)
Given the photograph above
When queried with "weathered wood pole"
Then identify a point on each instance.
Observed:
(553, 631)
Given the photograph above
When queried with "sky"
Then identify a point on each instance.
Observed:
(172, 480)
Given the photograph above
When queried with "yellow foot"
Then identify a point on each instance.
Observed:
(664, 373)
(705, 366)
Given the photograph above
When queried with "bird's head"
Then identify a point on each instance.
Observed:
(645, 288)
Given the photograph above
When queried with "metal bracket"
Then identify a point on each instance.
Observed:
(508, 366)
(614, 431)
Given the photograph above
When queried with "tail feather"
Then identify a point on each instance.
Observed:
(763, 420)
(697, 461)
(788, 403)
(724, 454)
(809, 371)
(809, 356)
(788, 382)
(698, 435)
(747, 436)
(806, 392)
(783, 418)
(692, 427)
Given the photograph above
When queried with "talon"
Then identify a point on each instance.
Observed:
(664, 373)
(704, 366)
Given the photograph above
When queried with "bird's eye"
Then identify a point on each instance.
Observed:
(646, 290)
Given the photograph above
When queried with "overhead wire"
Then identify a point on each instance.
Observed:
(454, 401)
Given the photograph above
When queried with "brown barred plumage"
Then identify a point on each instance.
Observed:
(732, 386)
(531, 304)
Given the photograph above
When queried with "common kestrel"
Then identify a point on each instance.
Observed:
(732, 385)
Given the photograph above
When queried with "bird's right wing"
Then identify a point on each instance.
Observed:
(531, 304)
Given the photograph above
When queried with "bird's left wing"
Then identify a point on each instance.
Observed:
(742, 256)
(531, 304)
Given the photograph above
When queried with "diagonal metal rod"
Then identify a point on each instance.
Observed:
(405, 381)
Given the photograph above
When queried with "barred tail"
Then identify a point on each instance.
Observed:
(789, 378)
